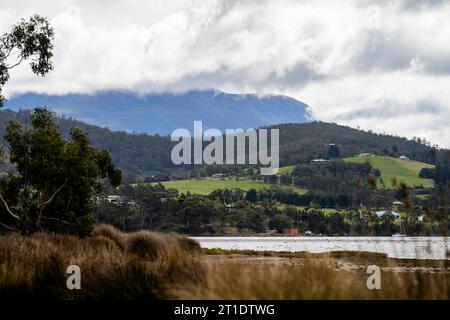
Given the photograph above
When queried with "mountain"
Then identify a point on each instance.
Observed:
(164, 112)
(147, 154)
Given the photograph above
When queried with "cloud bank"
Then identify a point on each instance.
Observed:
(380, 65)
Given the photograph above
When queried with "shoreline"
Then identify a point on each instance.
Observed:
(342, 260)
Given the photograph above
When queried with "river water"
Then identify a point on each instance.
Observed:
(395, 247)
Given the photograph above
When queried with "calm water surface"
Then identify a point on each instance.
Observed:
(395, 247)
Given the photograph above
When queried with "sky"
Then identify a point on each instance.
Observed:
(378, 65)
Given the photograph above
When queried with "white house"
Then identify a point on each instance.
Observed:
(114, 199)
(365, 155)
(381, 213)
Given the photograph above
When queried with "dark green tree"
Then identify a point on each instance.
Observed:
(280, 222)
(394, 149)
(56, 179)
(252, 195)
(333, 151)
(28, 40)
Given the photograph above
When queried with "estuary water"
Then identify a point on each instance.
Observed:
(395, 247)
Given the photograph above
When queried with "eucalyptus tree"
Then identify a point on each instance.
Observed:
(29, 40)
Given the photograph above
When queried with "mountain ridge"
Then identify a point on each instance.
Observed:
(161, 113)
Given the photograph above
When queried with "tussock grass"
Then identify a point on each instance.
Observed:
(111, 233)
(188, 244)
(149, 245)
(114, 265)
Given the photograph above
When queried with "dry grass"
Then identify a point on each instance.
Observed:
(314, 279)
(148, 265)
(114, 265)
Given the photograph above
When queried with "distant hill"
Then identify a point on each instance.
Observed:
(145, 154)
(308, 141)
(164, 112)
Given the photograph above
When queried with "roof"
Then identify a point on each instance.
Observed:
(381, 213)
(365, 154)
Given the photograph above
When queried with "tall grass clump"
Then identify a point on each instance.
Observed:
(111, 233)
(149, 245)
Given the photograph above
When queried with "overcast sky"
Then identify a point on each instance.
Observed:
(380, 65)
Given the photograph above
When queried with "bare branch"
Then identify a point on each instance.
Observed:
(57, 219)
(54, 194)
(7, 208)
(16, 64)
(8, 227)
(9, 52)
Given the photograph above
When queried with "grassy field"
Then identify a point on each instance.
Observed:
(403, 170)
(285, 170)
(206, 186)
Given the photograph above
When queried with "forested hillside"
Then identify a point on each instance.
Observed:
(307, 141)
(299, 143)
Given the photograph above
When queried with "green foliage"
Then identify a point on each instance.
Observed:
(27, 40)
(280, 222)
(56, 178)
(332, 176)
(333, 151)
(427, 173)
(251, 195)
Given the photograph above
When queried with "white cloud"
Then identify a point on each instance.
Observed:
(380, 65)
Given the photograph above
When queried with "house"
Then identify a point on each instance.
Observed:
(291, 231)
(114, 199)
(230, 208)
(404, 158)
(382, 213)
(412, 219)
(365, 155)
